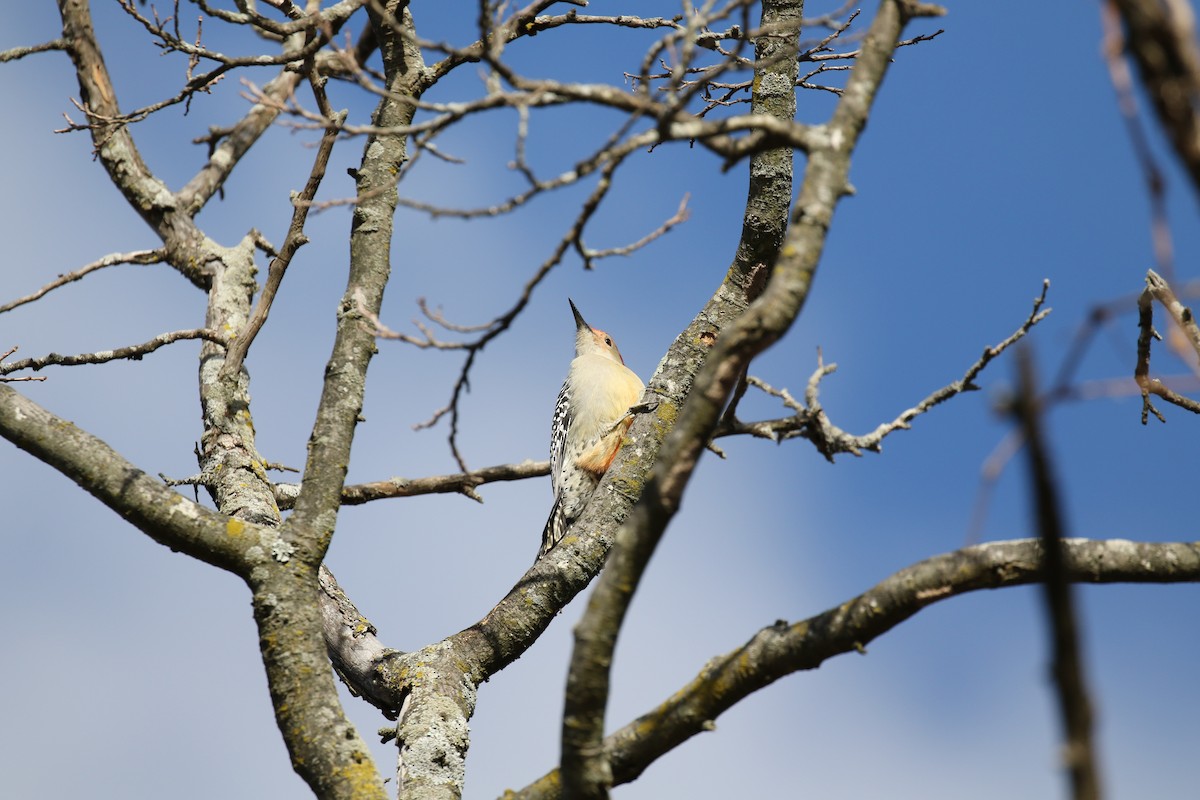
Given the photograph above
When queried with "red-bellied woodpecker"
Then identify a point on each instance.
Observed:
(590, 419)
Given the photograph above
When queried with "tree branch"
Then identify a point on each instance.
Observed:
(133, 352)
(1162, 38)
(326, 750)
(227, 147)
(351, 773)
(236, 141)
(585, 770)
(1116, 57)
(1066, 662)
(351, 641)
(135, 257)
(292, 242)
(16, 53)
(370, 243)
(115, 147)
(781, 649)
(162, 514)
(811, 421)
(463, 483)
(330, 15)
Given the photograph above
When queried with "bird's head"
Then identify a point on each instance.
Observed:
(593, 341)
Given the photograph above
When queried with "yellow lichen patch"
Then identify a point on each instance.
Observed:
(361, 776)
(235, 527)
(664, 418)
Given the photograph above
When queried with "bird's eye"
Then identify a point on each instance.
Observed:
(608, 341)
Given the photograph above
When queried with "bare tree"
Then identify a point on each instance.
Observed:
(718, 80)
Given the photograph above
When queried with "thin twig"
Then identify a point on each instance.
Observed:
(681, 216)
(5, 355)
(294, 240)
(463, 483)
(135, 257)
(20, 52)
(133, 352)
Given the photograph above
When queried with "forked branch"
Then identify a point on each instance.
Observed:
(1157, 289)
(812, 422)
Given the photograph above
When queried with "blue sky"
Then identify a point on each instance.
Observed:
(995, 158)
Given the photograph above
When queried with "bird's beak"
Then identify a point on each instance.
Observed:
(579, 323)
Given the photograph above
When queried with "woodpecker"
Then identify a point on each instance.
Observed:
(590, 419)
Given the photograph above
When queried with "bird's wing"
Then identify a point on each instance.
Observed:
(558, 439)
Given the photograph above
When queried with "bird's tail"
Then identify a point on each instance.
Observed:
(556, 527)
